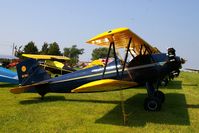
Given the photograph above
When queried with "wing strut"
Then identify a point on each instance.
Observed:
(109, 50)
(115, 60)
(126, 56)
(112, 44)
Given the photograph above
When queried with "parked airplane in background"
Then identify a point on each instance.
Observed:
(8, 76)
(192, 70)
(147, 66)
(53, 64)
(8, 61)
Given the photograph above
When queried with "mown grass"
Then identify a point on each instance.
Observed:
(101, 112)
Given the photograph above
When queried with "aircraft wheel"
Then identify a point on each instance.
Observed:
(160, 95)
(152, 104)
(41, 92)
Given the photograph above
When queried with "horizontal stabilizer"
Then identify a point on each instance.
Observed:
(105, 85)
(22, 89)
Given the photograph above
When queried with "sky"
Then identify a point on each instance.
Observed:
(162, 23)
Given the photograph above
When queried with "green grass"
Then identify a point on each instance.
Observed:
(101, 112)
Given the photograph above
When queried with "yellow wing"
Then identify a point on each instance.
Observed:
(55, 64)
(105, 85)
(45, 57)
(120, 37)
(94, 63)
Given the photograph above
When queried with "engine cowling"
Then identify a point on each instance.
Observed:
(175, 63)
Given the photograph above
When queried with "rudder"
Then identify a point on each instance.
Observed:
(29, 72)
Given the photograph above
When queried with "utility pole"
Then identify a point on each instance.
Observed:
(13, 49)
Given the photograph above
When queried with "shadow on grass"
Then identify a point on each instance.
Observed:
(94, 101)
(174, 85)
(174, 112)
(192, 106)
(6, 85)
(37, 100)
(190, 84)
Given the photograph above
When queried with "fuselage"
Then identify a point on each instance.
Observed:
(147, 68)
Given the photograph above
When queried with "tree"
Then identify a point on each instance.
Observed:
(54, 49)
(101, 53)
(30, 48)
(73, 53)
(44, 49)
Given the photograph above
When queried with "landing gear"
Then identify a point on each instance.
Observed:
(42, 93)
(155, 97)
(152, 104)
(160, 96)
(164, 82)
(42, 96)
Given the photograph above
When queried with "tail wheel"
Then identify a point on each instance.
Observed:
(41, 92)
(152, 104)
(160, 95)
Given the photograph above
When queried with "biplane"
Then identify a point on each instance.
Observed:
(148, 66)
(52, 63)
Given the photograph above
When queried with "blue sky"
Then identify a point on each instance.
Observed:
(162, 23)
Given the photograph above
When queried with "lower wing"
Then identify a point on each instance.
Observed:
(105, 85)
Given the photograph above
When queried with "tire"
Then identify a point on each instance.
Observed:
(152, 104)
(160, 95)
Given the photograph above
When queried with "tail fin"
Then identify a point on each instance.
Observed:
(30, 72)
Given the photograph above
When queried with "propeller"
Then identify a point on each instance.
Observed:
(175, 63)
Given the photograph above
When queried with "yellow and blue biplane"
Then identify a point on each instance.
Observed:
(142, 64)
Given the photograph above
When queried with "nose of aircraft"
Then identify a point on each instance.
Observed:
(175, 62)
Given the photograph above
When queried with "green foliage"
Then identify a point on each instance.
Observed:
(30, 48)
(101, 112)
(73, 53)
(101, 53)
(44, 49)
(54, 49)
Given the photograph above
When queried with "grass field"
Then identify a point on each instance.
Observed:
(101, 112)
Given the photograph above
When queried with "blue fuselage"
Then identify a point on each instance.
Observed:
(155, 67)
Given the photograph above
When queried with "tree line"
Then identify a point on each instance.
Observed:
(53, 49)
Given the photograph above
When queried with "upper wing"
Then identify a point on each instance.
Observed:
(120, 37)
(45, 57)
(105, 85)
